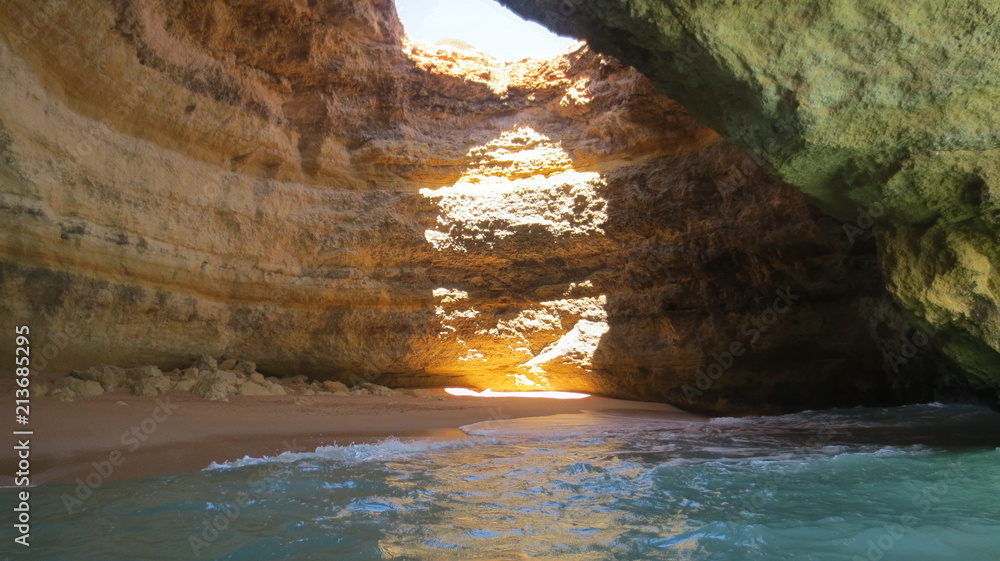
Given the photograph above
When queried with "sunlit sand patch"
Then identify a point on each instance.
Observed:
(464, 392)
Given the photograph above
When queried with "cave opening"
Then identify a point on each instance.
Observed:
(586, 233)
(484, 26)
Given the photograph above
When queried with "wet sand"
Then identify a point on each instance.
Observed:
(122, 436)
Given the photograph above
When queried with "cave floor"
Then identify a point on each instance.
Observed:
(130, 437)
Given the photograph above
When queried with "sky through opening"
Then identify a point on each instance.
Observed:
(484, 24)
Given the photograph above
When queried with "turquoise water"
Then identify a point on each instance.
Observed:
(914, 483)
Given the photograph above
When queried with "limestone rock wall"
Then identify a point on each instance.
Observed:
(296, 184)
(878, 109)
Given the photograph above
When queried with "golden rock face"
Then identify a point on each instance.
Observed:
(303, 187)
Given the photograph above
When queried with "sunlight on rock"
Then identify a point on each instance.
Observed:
(515, 154)
(519, 190)
(522, 380)
(520, 183)
(576, 346)
(563, 332)
(463, 392)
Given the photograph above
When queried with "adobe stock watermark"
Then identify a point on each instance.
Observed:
(864, 222)
(132, 440)
(910, 346)
(924, 501)
(751, 503)
(56, 343)
(767, 488)
(565, 9)
(750, 331)
(868, 216)
(213, 525)
(40, 20)
(776, 479)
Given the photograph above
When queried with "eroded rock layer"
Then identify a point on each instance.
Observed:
(878, 109)
(298, 185)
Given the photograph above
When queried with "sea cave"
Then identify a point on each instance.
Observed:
(263, 261)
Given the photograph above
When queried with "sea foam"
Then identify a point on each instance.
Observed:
(387, 450)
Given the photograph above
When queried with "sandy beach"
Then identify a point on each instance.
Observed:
(123, 436)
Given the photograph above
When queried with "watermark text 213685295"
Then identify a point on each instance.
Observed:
(22, 368)
(22, 412)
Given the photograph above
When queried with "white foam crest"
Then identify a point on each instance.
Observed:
(838, 419)
(386, 450)
(576, 425)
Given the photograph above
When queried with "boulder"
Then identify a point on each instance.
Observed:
(75, 387)
(185, 385)
(110, 377)
(216, 386)
(246, 367)
(153, 386)
(375, 389)
(254, 388)
(205, 362)
(332, 386)
(134, 375)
